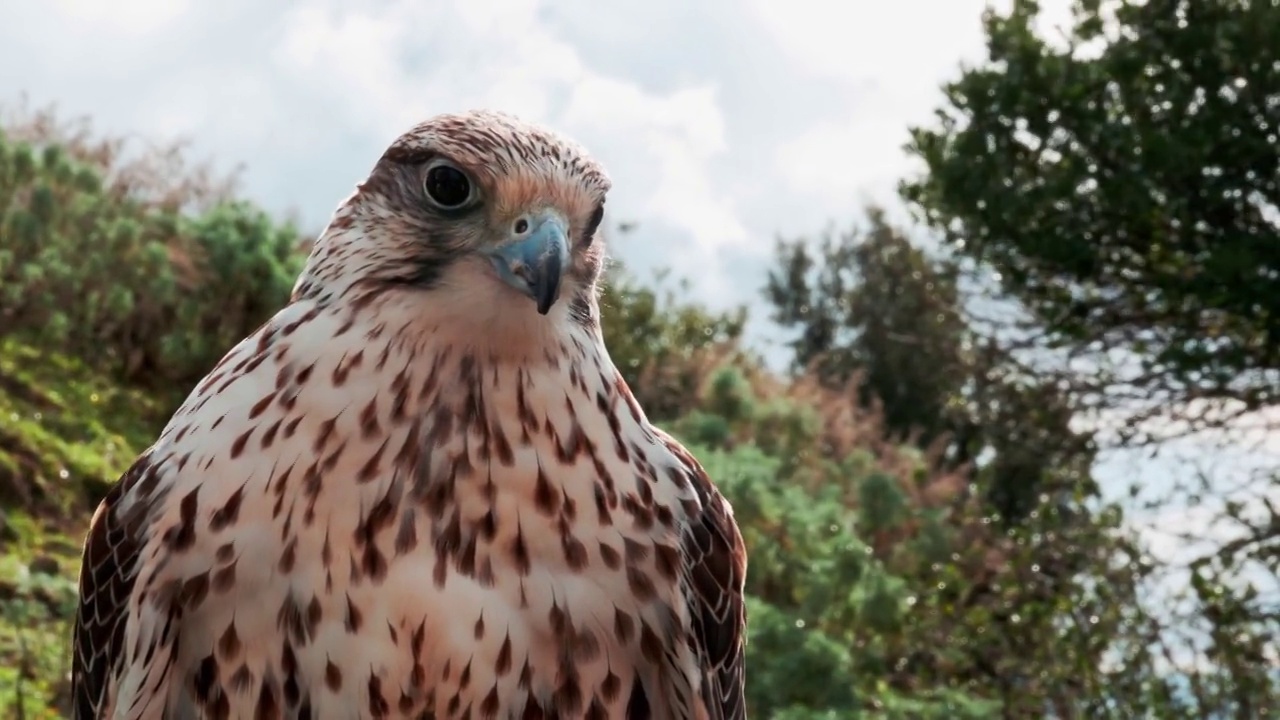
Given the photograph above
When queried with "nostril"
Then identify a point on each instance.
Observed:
(522, 226)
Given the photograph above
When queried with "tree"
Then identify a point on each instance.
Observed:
(876, 589)
(869, 306)
(1126, 189)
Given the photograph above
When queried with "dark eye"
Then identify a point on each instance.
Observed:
(593, 224)
(447, 186)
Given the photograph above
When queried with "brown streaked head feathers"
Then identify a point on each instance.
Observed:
(387, 234)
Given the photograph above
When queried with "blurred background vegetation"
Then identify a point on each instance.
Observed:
(1096, 260)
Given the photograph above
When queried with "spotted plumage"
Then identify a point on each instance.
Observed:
(422, 489)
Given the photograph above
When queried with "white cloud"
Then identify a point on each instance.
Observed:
(677, 134)
(721, 125)
(869, 147)
(130, 18)
(356, 62)
(897, 55)
(696, 110)
(858, 40)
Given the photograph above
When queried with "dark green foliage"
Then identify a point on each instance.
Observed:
(877, 591)
(66, 432)
(868, 303)
(144, 288)
(246, 267)
(120, 286)
(1128, 194)
(817, 671)
(1125, 190)
(873, 309)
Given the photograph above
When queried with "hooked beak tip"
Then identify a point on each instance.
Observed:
(543, 282)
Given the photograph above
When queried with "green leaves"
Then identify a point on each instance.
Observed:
(794, 668)
(1123, 185)
(869, 591)
(128, 282)
(881, 503)
(1123, 191)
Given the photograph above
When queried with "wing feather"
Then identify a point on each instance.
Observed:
(716, 573)
(107, 575)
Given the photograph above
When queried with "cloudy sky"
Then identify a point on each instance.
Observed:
(724, 123)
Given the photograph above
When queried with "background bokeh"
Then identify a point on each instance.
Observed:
(971, 312)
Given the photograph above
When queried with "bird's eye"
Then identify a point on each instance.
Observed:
(447, 186)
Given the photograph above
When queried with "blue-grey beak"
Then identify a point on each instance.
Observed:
(534, 257)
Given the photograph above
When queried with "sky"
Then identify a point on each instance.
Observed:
(724, 124)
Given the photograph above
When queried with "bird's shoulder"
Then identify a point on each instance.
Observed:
(715, 577)
(266, 405)
(304, 349)
(113, 553)
(711, 509)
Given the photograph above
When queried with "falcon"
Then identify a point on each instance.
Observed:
(422, 489)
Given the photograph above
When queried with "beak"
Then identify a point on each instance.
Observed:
(533, 257)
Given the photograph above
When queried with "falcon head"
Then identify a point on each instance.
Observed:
(479, 212)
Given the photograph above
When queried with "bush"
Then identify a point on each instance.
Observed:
(149, 281)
